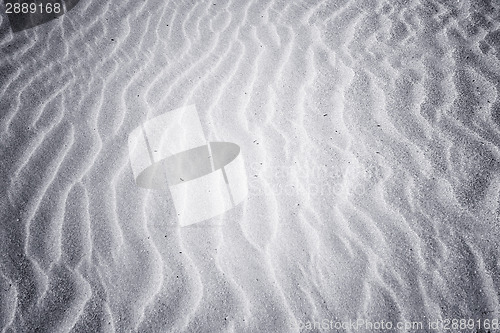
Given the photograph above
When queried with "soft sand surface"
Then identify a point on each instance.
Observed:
(370, 132)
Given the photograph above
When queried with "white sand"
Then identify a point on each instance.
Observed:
(370, 133)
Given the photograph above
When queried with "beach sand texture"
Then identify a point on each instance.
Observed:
(370, 132)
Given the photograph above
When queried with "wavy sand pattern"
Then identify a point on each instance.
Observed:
(370, 132)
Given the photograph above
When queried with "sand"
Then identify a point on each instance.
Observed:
(370, 132)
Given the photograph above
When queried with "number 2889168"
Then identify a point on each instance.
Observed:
(32, 8)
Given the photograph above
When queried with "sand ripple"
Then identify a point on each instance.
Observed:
(371, 135)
